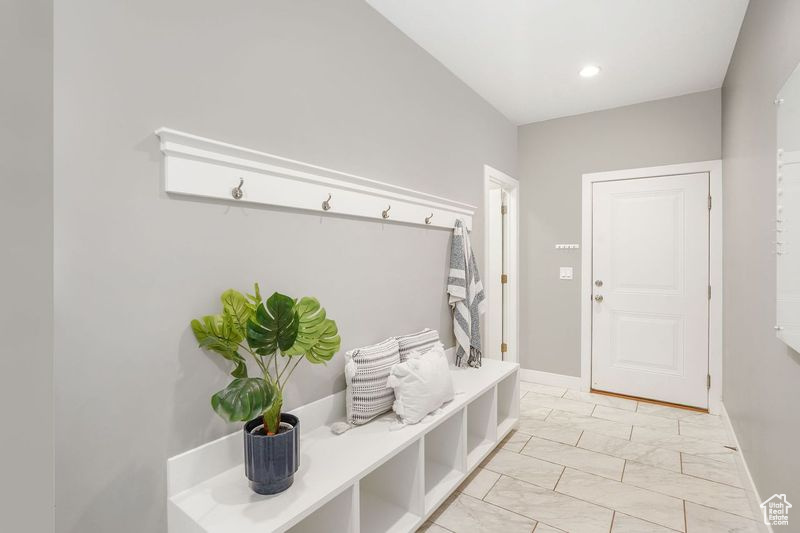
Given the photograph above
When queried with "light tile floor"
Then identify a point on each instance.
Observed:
(582, 462)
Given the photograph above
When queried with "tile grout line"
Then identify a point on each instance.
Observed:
(526, 481)
(579, 441)
(503, 508)
(499, 477)
(581, 499)
(562, 494)
(711, 481)
(655, 490)
(674, 472)
(439, 525)
(563, 469)
(685, 518)
(680, 453)
(620, 457)
(613, 517)
(611, 508)
(551, 461)
(756, 520)
(638, 403)
(645, 520)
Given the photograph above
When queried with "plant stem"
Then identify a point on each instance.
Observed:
(266, 366)
(256, 357)
(288, 362)
(299, 359)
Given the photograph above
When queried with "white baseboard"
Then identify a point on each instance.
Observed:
(547, 378)
(744, 473)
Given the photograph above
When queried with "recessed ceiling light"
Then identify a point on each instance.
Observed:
(589, 71)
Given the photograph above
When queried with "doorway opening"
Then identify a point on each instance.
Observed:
(501, 265)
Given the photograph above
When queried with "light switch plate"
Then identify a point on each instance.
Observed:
(565, 273)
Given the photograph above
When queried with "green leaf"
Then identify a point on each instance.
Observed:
(317, 336)
(254, 299)
(274, 326)
(217, 334)
(235, 307)
(244, 399)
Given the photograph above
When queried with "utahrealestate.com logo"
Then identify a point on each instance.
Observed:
(776, 510)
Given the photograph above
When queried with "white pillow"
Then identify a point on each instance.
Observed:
(421, 384)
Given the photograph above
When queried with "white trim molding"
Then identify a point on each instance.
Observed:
(744, 473)
(495, 178)
(547, 378)
(197, 166)
(714, 169)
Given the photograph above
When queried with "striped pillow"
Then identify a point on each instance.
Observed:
(366, 372)
(421, 342)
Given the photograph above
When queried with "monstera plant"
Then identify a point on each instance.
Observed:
(277, 335)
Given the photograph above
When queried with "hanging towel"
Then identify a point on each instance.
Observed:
(467, 298)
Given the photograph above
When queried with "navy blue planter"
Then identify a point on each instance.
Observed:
(270, 461)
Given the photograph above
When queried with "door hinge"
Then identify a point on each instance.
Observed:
(503, 347)
(503, 209)
(503, 278)
(709, 202)
(709, 292)
(708, 381)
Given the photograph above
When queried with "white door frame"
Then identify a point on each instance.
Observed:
(714, 169)
(492, 176)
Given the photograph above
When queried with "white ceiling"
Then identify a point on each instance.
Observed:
(523, 56)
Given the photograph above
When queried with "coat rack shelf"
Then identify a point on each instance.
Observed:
(197, 166)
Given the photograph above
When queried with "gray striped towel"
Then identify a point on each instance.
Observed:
(467, 298)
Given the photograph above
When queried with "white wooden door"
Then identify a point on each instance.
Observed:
(650, 288)
(494, 288)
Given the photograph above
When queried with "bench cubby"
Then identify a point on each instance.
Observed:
(336, 515)
(507, 403)
(392, 494)
(445, 459)
(481, 427)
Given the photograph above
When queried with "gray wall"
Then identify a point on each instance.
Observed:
(330, 83)
(26, 267)
(762, 375)
(553, 155)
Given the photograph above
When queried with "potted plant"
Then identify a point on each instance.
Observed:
(277, 335)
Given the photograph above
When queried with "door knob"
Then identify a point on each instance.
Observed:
(598, 298)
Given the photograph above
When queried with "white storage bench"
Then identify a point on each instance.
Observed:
(371, 479)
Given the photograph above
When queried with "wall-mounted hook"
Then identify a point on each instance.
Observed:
(385, 212)
(326, 205)
(236, 192)
(428, 219)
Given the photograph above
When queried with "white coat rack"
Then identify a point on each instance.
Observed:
(197, 166)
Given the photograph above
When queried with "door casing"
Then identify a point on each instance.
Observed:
(493, 178)
(714, 169)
